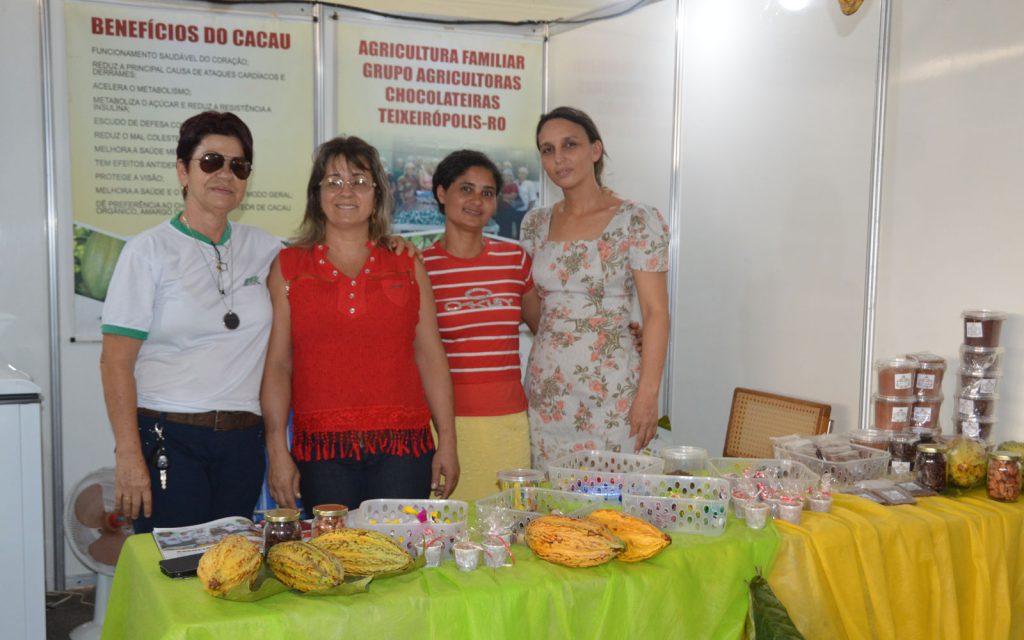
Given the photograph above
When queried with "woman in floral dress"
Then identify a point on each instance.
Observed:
(596, 258)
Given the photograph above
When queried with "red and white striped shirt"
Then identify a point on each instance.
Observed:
(479, 308)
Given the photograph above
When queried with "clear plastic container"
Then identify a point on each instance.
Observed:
(903, 449)
(893, 413)
(519, 478)
(683, 461)
(599, 472)
(1004, 477)
(896, 377)
(984, 385)
(978, 427)
(926, 411)
(982, 327)
(874, 438)
(981, 359)
(928, 377)
(974, 405)
(675, 503)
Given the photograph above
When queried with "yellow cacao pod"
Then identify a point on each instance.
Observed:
(301, 566)
(572, 542)
(231, 562)
(643, 539)
(363, 552)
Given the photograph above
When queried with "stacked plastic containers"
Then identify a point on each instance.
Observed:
(906, 406)
(980, 373)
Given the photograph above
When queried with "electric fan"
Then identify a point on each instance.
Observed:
(96, 533)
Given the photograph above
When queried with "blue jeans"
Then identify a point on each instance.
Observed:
(212, 474)
(349, 481)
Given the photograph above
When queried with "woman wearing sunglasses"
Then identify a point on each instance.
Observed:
(185, 327)
(483, 290)
(354, 350)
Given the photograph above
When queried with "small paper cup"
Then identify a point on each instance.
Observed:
(820, 504)
(433, 554)
(790, 511)
(495, 553)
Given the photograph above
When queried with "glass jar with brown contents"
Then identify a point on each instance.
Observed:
(282, 525)
(1004, 476)
(930, 467)
(328, 517)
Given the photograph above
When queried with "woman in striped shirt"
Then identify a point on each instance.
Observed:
(483, 290)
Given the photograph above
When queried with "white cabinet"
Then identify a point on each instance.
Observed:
(23, 611)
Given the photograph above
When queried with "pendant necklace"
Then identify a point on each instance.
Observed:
(231, 320)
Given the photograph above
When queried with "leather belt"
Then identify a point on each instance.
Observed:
(216, 420)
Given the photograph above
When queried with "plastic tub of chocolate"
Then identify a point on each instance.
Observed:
(982, 327)
(927, 434)
(928, 377)
(974, 427)
(980, 359)
(892, 412)
(970, 404)
(926, 411)
(896, 377)
(981, 384)
(874, 438)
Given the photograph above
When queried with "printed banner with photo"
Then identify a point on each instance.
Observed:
(417, 94)
(133, 75)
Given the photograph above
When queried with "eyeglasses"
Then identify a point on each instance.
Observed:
(334, 184)
(212, 162)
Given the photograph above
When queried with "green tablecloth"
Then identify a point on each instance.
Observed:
(694, 589)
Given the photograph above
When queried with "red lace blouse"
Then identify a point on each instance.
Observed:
(355, 384)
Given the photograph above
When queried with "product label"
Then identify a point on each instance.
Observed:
(987, 386)
(926, 381)
(903, 380)
(973, 330)
(898, 466)
(966, 407)
(900, 414)
(922, 415)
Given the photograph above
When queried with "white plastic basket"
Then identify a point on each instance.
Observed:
(678, 504)
(446, 520)
(599, 473)
(873, 463)
(520, 506)
(732, 469)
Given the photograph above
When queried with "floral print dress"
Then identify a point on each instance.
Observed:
(584, 368)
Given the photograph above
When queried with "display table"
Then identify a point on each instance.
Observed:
(944, 568)
(694, 589)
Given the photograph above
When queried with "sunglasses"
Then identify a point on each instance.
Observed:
(212, 162)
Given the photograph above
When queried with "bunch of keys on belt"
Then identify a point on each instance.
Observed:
(159, 457)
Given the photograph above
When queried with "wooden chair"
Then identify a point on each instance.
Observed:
(757, 416)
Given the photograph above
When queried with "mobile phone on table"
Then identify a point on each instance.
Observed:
(183, 567)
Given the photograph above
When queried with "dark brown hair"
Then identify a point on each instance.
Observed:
(459, 162)
(357, 153)
(582, 119)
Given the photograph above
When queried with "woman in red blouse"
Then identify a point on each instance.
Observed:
(354, 350)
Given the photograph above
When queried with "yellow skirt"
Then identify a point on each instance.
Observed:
(487, 445)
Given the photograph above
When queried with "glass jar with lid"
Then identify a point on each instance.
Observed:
(282, 525)
(328, 517)
(1004, 476)
(903, 449)
(930, 466)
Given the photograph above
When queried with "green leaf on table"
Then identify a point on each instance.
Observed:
(767, 618)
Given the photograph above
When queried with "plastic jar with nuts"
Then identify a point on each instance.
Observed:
(1004, 476)
(328, 517)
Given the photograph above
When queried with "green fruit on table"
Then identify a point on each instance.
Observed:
(968, 462)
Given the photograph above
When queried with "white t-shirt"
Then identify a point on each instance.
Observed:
(164, 292)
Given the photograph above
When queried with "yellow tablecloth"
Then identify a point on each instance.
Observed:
(944, 568)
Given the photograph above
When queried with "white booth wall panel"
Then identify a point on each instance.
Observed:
(952, 218)
(621, 72)
(24, 300)
(775, 182)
